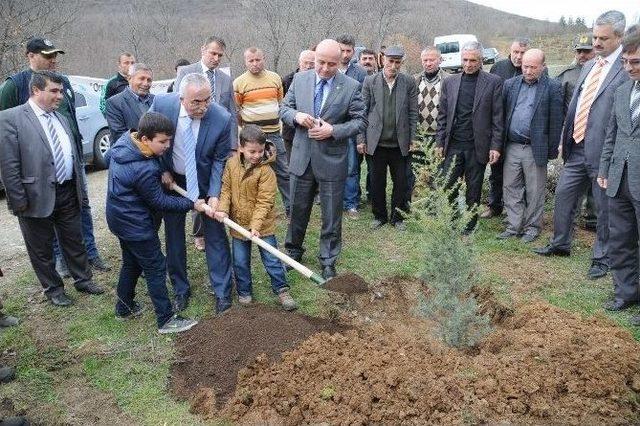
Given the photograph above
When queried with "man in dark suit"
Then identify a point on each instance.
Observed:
(326, 109)
(533, 122)
(470, 124)
(391, 104)
(582, 140)
(352, 191)
(42, 56)
(125, 109)
(42, 175)
(619, 174)
(195, 161)
(212, 52)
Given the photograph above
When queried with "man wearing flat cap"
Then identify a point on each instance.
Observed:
(42, 56)
(391, 105)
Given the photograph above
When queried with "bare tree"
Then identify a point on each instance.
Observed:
(20, 20)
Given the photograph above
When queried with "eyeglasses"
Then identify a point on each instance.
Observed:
(632, 62)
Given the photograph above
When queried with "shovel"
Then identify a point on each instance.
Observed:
(268, 247)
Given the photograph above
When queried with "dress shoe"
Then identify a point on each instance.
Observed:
(296, 258)
(328, 272)
(180, 303)
(376, 224)
(222, 305)
(528, 238)
(617, 305)
(60, 299)
(550, 250)
(506, 235)
(597, 270)
(489, 213)
(7, 374)
(15, 421)
(8, 321)
(61, 268)
(98, 264)
(90, 288)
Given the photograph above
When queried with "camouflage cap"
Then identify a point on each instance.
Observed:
(583, 41)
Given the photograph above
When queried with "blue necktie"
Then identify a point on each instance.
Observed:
(58, 154)
(190, 170)
(635, 106)
(317, 99)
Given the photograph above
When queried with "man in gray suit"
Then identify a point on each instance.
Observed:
(124, 110)
(391, 103)
(582, 139)
(326, 109)
(42, 174)
(470, 124)
(619, 174)
(212, 52)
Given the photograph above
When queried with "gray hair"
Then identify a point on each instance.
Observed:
(137, 67)
(615, 19)
(194, 79)
(304, 53)
(431, 49)
(473, 45)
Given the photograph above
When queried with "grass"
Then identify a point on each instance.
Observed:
(129, 363)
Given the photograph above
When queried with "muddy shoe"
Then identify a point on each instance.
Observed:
(8, 321)
(7, 374)
(15, 421)
(287, 301)
(135, 311)
(245, 300)
(177, 324)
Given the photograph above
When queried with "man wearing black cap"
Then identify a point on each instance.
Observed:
(42, 56)
(584, 52)
(391, 102)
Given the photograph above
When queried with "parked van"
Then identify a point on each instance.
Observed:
(450, 46)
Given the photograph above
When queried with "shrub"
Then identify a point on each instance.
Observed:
(441, 216)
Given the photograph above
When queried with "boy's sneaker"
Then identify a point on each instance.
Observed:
(177, 324)
(136, 310)
(245, 300)
(287, 301)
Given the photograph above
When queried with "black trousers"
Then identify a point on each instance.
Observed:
(66, 224)
(495, 187)
(624, 222)
(463, 163)
(392, 159)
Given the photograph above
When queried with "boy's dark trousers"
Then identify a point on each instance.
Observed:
(139, 256)
(242, 266)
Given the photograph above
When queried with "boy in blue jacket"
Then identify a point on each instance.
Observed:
(134, 194)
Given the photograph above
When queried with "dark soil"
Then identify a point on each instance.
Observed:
(211, 354)
(348, 283)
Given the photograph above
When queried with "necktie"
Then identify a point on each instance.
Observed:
(211, 75)
(635, 106)
(317, 98)
(588, 96)
(58, 155)
(191, 172)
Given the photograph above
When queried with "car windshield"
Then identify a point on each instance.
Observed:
(449, 47)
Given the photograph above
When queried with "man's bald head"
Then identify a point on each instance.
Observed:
(306, 60)
(532, 65)
(328, 56)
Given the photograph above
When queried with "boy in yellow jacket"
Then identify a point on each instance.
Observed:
(248, 198)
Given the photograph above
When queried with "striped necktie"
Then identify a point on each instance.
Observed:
(588, 96)
(211, 75)
(58, 154)
(191, 172)
(635, 105)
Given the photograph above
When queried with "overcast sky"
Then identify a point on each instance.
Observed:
(552, 9)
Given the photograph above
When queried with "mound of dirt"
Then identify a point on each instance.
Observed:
(211, 354)
(540, 365)
(348, 283)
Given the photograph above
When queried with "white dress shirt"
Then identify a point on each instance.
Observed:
(178, 140)
(63, 137)
(605, 70)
